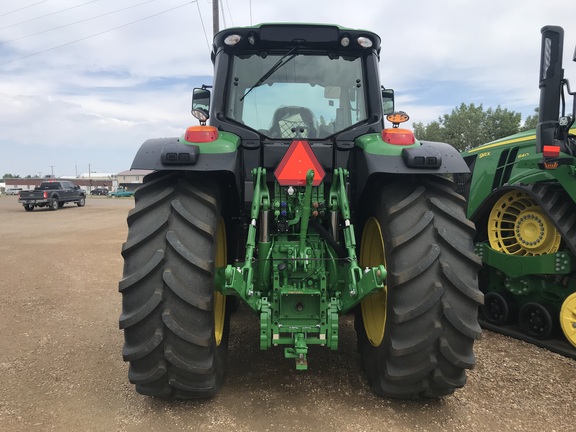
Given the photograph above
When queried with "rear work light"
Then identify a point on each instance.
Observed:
(201, 134)
(232, 39)
(364, 42)
(296, 163)
(398, 136)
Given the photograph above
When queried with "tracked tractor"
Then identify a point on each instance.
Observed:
(522, 197)
(295, 199)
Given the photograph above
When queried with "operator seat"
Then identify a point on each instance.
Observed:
(293, 122)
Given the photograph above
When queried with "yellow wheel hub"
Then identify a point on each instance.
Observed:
(568, 318)
(373, 307)
(219, 299)
(518, 226)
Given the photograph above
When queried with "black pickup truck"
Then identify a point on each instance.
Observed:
(52, 194)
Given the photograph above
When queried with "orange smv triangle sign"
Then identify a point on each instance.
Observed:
(295, 164)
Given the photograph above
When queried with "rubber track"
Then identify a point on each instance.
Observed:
(562, 213)
(559, 207)
(558, 346)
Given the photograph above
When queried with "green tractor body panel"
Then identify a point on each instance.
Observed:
(522, 198)
(292, 196)
(513, 160)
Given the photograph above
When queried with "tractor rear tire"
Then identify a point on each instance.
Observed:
(175, 332)
(428, 311)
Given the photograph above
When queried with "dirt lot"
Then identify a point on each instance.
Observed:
(61, 367)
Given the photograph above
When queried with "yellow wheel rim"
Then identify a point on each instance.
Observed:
(373, 307)
(219, 299)
(518, 226)
(568, 318)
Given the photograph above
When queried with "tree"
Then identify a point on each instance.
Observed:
(464, 127)
(531, 121)
(431, 132)
(8, 175)
(469, 126)
(500, 123)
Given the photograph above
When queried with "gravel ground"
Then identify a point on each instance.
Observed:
(61, 367)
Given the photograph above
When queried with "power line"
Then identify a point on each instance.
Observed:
(203, 28)
(229, 13)
(75, 22)
(51, 13)
(97, 34)
(25, 7)
(223, 14)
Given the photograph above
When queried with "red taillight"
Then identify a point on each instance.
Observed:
(295, 164)
(398, 136)
(45, 195)
(201, 134)
(551, 151)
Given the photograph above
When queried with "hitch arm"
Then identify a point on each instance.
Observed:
(306, 208)
(360, 283)
(241, 280)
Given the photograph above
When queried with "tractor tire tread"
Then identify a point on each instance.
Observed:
(433, 294)
(167, 288)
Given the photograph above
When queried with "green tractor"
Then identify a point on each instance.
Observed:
(522, 198)
(296, 202)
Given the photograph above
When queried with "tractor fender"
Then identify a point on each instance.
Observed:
(161, 154)
(171, 154)
(428, 158)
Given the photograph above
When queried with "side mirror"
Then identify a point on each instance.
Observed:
(201, 104)
(387, 101)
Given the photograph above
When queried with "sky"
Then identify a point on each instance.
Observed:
(83, 83)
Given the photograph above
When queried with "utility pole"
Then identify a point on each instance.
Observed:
(215, 17)
(52, 168)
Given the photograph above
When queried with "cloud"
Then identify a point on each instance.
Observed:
(93, 91)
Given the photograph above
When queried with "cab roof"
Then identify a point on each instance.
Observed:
(327, 37)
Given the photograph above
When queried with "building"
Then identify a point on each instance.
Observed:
(97, 175)
(131, 179)
(127, 179)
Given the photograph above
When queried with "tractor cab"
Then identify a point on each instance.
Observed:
(279, 88)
